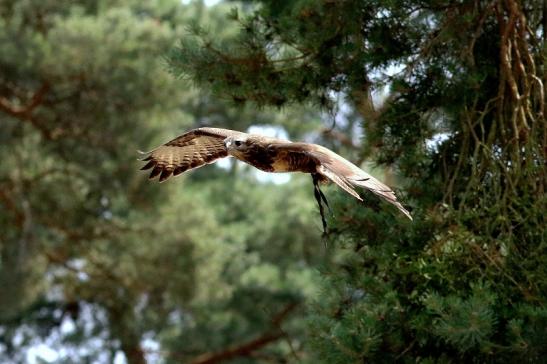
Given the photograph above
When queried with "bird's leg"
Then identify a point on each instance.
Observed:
(316, 180)
(324, 198)
(321, 210)
(320, 197)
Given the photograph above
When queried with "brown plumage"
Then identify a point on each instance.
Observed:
(205, 145)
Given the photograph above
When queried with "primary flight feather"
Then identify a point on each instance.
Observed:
(205, 145)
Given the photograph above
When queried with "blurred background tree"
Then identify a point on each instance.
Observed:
(98, 265)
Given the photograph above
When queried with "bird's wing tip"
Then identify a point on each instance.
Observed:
(144, 156)
(407, 213)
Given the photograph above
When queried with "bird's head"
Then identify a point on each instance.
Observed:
(236, 144)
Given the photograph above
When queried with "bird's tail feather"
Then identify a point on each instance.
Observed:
(341, 181)
(347, 175)
(379, 189)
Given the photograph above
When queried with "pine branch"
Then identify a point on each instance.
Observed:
(24, 113)
(248, 348)
(35, 100)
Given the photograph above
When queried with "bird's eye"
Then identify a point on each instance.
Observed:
(238, 143)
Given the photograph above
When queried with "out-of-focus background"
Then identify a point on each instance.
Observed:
(443, 100)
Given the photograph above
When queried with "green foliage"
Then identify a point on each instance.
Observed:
(294, 51)
(463, 323)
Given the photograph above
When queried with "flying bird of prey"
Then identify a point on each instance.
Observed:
(202, 146)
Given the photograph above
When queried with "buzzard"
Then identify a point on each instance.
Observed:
(202, 146)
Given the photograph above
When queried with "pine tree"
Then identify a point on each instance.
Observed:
(95, 260)
(463, 128)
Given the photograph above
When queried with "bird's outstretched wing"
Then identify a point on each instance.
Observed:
(342, 172)
(190, 150)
